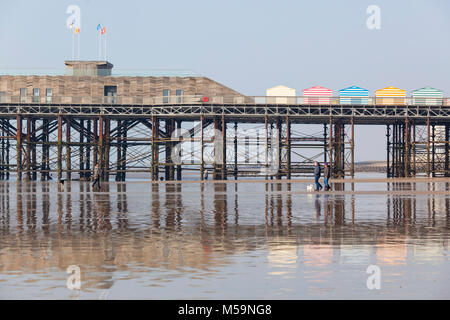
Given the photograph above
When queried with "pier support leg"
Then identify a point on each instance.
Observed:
(19, 147)
(352, 149)
(235, 171)
(91, 139)
(428, 148)
(59, 150)
(106, 148)
(81, 150)
(179, 166)
(119, 142)
(202, 164)
(407, 140)
(388, 151)
(155, 148)
(447, 150)
(288, 148)
(68, 154)
(28, 151)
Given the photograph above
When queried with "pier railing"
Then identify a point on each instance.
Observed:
(245, 100)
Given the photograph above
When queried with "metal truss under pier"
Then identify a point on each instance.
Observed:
(65, 141)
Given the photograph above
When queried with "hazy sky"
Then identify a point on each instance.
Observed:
(247, 45)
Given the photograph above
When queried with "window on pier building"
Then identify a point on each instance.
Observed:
(110, 94)
(23, 94)
(35, 94)
(179, 93)
(48, 95)
(166, 93)
(2, 96)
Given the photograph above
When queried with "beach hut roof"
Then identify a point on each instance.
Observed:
(318, 90)
(390, 91)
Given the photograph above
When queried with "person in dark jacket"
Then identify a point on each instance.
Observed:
(326, 176)
(317, 173)
(96, 176)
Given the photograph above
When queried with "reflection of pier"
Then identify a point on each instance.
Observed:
(41, 228)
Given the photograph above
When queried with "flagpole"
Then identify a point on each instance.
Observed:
(73, 45)
(105, 46)
(99, 46)
(78, 45)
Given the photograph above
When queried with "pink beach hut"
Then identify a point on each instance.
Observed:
(317, 95)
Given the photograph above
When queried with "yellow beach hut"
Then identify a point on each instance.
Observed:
(390, 96)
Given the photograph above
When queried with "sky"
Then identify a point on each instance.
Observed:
(247, 45)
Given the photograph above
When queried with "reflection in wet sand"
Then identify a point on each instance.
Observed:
(164, 232)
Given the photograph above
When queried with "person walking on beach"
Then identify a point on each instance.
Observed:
(96, 176)
(326, 176)
(317, 173)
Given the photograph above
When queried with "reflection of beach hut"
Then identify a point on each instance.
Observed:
(354, 95)
(282, 259)
(427, 96)
(390, 96)
(392, 253)
(280, 94)
(317, 255)
(317, 95)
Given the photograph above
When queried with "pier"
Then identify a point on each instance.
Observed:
(70, 135)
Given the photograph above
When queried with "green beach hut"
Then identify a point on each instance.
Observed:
(427, 96)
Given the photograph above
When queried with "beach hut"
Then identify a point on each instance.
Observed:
(427, 96)
(280, 94)
(354, 95)
(317, 95)
(390, 96)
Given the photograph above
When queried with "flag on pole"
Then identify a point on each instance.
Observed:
(77, 30)
(103, 30)
(99, 27)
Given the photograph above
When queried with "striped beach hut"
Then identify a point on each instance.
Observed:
(317, 95)
(280, 94)
(354, 95)
(390, 96)
(427, 96)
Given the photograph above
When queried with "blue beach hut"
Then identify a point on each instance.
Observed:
(354, 95)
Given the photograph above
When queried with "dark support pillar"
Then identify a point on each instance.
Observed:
(288, 148)
(428, 148)
(87, 162)
(124, 152)
(68, 154)
(330, 148)
(433, 151)
(224, 149)
(202, 165)
(81, 150)
(407, 140)
(235, 151)
(119, 142)
(447, 149)
(59, 152)
(388, 152)
(325, 143)
(413, 149)
(95, 142)
(44, 162)
(28, 150)
(99, 148)
(106, 149)
(19, 147)
(279, 173)
(267, 146)
(155, 148)
(169, 166)
(33, 150)
(179, 168)
(352, 149)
